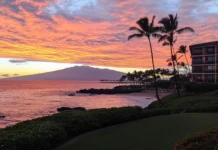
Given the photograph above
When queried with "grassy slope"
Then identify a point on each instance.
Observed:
(188, 101)
(148, 134)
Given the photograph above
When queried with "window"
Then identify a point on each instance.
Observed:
(211, 77)
(211, 50)
(197, 69)
(211, 59)
(211, 67)
(197, 51)
(197, 60)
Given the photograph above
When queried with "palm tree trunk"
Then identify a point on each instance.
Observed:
(174, 71)
(176, 62)
(154, 75)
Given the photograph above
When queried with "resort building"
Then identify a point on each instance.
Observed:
(205, 62)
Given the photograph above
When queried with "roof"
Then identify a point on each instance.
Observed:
(204, 44)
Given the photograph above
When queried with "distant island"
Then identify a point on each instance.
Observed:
(77, 73)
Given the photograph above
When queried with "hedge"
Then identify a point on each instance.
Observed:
(201, 87)
(49, 132)
(206, 140)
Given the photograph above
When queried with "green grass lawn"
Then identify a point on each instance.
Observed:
(155, 133)
(188, 101)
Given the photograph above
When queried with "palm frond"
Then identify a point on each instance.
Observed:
(152, 22)
(135, 36)
(156, 35)
(175, 40)
(186, 29)
(182, 49)
(169, 60)
(166, 43)
(180, 57)
(144, 24)
(136, 29)
(170, 64)
(162, 38)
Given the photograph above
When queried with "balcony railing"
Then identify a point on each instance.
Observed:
(209, 62)
(196, 62)
(197, 53)
(210, 52)
(197, 71)
(208, 71)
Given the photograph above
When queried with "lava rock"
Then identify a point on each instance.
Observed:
(61, 109)
(1, 117)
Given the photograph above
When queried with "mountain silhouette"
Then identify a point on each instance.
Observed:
(80, 73)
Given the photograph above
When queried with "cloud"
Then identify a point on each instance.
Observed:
(17, 61)
(5, 75)
(94, 32)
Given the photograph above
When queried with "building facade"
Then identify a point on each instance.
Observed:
(205, 62)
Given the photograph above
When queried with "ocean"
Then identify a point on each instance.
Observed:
(25, 100)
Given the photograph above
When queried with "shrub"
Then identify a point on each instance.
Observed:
(155, 112)
(36, 135)
(165, 84)
(48, 132)
(201, 87)
(206, 140)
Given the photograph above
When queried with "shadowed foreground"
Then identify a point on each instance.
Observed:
(154, 133)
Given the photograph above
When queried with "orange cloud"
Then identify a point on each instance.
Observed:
(96, 31)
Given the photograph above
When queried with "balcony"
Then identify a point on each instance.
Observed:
(209, 62)
(197, 53)
(196, 62)
(208, 71)
(210, 52)
(197, 70)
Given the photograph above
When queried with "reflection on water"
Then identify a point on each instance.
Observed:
(23, 100)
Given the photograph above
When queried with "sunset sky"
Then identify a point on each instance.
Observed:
(45, 35)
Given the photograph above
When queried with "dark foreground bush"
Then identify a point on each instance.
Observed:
(49, 132)
(207, 140)
(201, 87)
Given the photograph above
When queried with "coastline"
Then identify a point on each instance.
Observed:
(150, 94)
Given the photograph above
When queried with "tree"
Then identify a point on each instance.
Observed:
(170, 28)
(148, 30)
(182, 50)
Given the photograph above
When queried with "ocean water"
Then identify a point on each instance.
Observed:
(25, 100)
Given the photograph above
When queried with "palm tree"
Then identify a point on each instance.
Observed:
(170, 29)
(148, 30)
(182, 50)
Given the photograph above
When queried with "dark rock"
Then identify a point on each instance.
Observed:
(79, 108)
(1, 116)
(61, 109)
(72, 94)
(64, 109)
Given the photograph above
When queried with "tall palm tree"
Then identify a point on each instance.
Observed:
(148, 30)
(182, 50)
(170, 29)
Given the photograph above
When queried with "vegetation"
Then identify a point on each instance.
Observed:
(189, 102)
(146, 77)
(147, 30)
(201, 87)
(183, 50)
(155, 133)
(49, 132)
(170, 29)
(206, 140)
